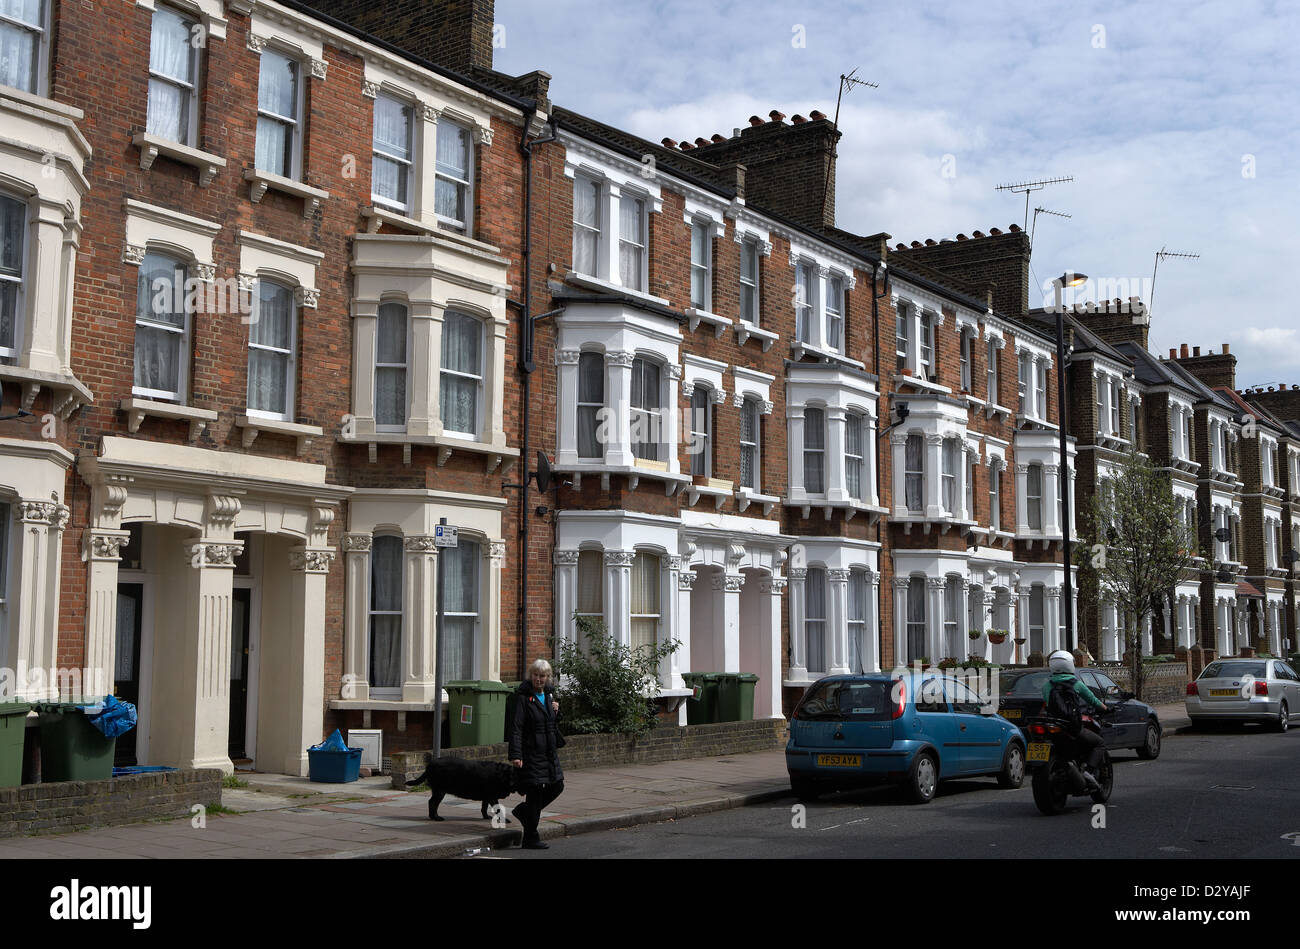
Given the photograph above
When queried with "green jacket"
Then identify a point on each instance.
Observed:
(1081, 690)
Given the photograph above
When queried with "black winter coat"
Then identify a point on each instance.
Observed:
(535, 738)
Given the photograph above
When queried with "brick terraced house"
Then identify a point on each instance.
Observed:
(285, 289)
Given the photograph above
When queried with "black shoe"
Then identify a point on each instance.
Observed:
(536, 844)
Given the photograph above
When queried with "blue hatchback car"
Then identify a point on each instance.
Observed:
(914, 729)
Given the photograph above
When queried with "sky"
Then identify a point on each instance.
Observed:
(1177, 121)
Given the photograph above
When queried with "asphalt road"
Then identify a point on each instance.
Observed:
(1230, 796)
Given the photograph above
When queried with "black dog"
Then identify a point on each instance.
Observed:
(486, 781)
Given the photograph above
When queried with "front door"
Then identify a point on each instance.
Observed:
(130, 610)
(241, 613)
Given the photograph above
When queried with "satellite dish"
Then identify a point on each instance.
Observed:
(543, 473)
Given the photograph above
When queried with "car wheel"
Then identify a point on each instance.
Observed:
(1150, 749)
(804, 788)
(1283, 719)
(1012, 774)
(922, 779)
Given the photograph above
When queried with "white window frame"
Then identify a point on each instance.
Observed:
(391, 691)
(917, 473)
(749, 250)
(1034, 502)
(586, 555)
(183, 362)
(819, 450)
(599, 357)
(703, 459)
(641, 242)
(951, 612)
(291, 366)
(41, 59)
(467, 183)
(991, 377)
(1024, 369)
(192, 22)
(1116, 419)
(967, 359)
(295, 123)
(460, 374)
(1040, 389)
(702, 267)
(405, 366)
(19, 316)
(916, 626)
(855, 462)
(950, 455)
(816, 664)
(805, 300)
(903, 340)
(755, 447)
(657, 586)
(477, 587)
(995, 498)
(835, 315)
(857, 618)
(654, 426)
(376, 155)
(598, 232)
(926, 363)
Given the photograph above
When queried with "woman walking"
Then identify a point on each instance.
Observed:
(534, 743)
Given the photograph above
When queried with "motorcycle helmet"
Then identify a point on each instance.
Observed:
(1061, 661)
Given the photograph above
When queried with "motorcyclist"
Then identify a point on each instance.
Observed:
(1061, 664)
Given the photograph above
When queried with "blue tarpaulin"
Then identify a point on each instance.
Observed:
(111, 717)
(333, 743)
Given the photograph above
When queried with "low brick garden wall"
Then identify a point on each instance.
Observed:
(1165, 681)
(668, 743)
(80, 805)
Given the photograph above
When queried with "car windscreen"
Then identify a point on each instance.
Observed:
(1234, 670)
(849, 701)
(1023, 683)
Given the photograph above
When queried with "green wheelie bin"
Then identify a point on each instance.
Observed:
(72, 749)
(13, 727)
(736, 696)
(476, 710)
(702, 710)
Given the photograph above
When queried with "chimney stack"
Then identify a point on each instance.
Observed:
(456, 34)
(1182, 351)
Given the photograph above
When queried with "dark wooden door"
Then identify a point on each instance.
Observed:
(241, 613)
(130, 608)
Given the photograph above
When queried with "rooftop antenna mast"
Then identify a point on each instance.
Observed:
(1038, 211)
(1028, 187)
(847, 84)
(1161, 254)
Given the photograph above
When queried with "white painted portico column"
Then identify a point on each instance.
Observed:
(670, 668)
(420, 608)
(871, 649)
(100, 549)
(1051, 499)
(566, 422)
(901, 585)
(1022, 499)
(490, 667)
(356, 554)
(838, 582)
(566, 597)
(767, 693)
(1052, 621)
(426, 356)
(618, 595)
(934, 617)
(618, 367)
(798, 661)
(835, 482)
(685, 582)
(34, 596)
(300, 690)
(933, 467)
(1022, 622)
(898, 461)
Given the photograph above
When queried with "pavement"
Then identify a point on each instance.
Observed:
(278, 816)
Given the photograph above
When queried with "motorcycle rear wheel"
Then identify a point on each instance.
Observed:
(1049, 788)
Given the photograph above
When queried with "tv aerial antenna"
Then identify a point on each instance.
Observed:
(1038, 211)
(1029, 187)
(1162, 254)
(848, 83)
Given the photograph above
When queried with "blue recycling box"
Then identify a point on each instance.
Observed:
(334, 767)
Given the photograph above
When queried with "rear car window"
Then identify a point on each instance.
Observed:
(849, 701)
(1025, 684)
(1234, 670)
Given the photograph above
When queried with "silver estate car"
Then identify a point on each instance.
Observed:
(1245, 690)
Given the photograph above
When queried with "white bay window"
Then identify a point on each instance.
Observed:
(462, 374)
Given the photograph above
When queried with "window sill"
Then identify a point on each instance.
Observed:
(696, 317)
(720, 491)
(798, 350)
(1113, 442)
(901, 379)
(386, 705)
(745, 331)
(927, 522)
(151, 146)
(261, 181)
(497, 455)
(850, 507)
(595, 283)
(746, 496)
(255, 426)
(137, 410)
(70, 394)
(376, 216)
(673, 482)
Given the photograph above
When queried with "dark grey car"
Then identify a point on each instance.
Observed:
(1135, 725)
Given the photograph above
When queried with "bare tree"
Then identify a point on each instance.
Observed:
(1141, 546)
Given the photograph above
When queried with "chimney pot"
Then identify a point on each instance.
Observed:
(686, 146)
(797, 119)
(718, 138)
(755, 121)
(701, 142)
(816, 116)
(1173, 353)
(916, 243)
(929, 242)
(901, 247)
(1226, 350)
(735, 133)
(995, 232)
(1196, 350)
(776, 116)
(1182, 352)
(962, 237)
(1270, 388)
(976, 233)
(1015, 228)
(668, 143)
(1282, 386)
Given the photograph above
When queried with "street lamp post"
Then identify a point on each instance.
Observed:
(1067, 279)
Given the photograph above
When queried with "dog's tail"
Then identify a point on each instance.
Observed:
(424, 777)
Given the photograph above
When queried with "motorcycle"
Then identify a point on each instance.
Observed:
(1056, 761)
